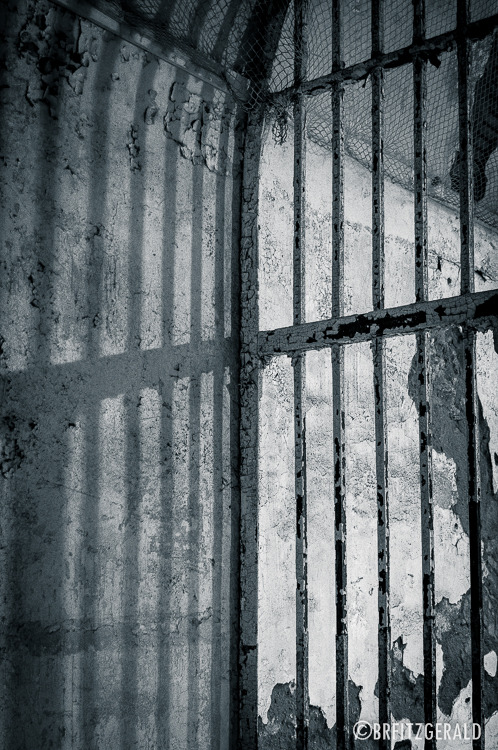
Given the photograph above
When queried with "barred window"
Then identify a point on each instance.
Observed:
(368, 302)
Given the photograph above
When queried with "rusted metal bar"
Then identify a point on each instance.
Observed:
(302, 691)
(474, 496)
(337, 355)
(424, 376)
(429, 49)
(250, 379)
(342, 692)
(299, 364)
(479, 310)
(377, 159)
(378, 353)
(464, 54)
(427, 532)
(466, 186)
(249, 395)
(383, 563)
(420, 157)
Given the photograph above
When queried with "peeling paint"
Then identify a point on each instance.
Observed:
(196, 125)
(445, 349)
(449, 438)
(279, 732)
(51, 40)
(133, 149)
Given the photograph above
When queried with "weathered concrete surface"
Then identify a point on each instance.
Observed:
(276, 619)
(119, 394)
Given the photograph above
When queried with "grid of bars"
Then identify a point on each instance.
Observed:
(473, 311)
(232, 44)
(439, 46)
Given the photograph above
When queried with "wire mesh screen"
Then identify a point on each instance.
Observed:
(442, 135)
(398, 31)
(282, 71)
(441, 16)
(356, 30)
(240, 37)
(254, 39)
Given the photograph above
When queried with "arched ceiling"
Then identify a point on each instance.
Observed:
(234, 35)
(253, 39)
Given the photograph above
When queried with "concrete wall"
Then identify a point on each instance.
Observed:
(119, 455)
(119, 352)
(277, 668)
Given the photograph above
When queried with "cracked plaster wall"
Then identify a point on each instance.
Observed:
(276, 664)
(119, 178)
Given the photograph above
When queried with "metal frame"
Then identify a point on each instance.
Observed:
(337, 357)
(299, 364)
(464, 51)
(378, 354)
(424, 375)
(477, 310)
(473, 311)
(429, 50)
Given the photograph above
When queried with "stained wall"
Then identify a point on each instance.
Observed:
(277, 667)
(119, 240)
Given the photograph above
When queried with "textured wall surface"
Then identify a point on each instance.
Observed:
(119, 394)
(119, 417)
(277, 668)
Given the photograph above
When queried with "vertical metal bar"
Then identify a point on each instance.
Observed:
(300, 30)
(474, 495)
(377, 159)
(302, 692)
(424, 377)
(427, 520)
(378, 351)
(464, 52)
(259, 68)
(466, 182)
(299, 363)
(249, 393)
(337, 354)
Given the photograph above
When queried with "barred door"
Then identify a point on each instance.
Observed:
(468, 310)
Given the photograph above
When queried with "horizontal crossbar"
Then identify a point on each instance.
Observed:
(429, 50)
(478, 310)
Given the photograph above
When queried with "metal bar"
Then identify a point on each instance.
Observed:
(299, 363)
(377, 164)
(479, 310)
(337, 356)
(249, 389)
(424, 376)
(378, 352)
(429, 49)
(420, 157)
(342, 691)
(383, 564)
(474, 495)
(466, 186)
(302, 691)
(464, 52)
(427, 532)
(249, 395)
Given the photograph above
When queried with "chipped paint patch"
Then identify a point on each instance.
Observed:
(195, 122)
(490, 663)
